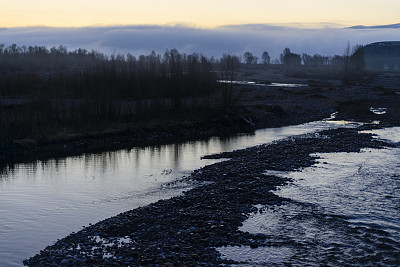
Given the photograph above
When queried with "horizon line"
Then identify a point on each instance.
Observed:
(318, 25)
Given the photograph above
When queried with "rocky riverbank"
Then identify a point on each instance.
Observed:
(185, 230)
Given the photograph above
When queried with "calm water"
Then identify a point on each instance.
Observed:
(345, 210)
(43, 201)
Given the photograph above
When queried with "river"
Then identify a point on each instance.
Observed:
(43, 201)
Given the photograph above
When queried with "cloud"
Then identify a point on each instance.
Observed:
(234, 39)
(390, 26)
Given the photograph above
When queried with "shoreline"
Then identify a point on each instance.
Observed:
(185, 230)
(157, 133)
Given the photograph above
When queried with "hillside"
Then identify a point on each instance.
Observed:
(383, 55)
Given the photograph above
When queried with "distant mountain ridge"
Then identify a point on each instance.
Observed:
(390, 26)
(383, 55)
(386, 49)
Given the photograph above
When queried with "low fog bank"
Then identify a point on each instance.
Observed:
(234, 39)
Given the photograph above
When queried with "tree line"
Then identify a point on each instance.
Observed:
(349, 67)
(58, 88)
(352, 58)
(59, 72)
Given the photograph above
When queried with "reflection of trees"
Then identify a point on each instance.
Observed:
(30, 169)
(140, 160)
(6, 172)
(229, 142)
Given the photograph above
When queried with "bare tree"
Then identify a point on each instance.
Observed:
(248, 58)
(354, 63)
(266, 59)
(283, 54)
(229, 65)
(291, 59)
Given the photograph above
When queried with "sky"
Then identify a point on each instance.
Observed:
(211, 27)
(199, 13)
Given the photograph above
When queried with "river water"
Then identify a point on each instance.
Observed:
(343, 211)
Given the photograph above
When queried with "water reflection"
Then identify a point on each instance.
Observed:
(293, 85)
(111, 161)
(45, 200)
